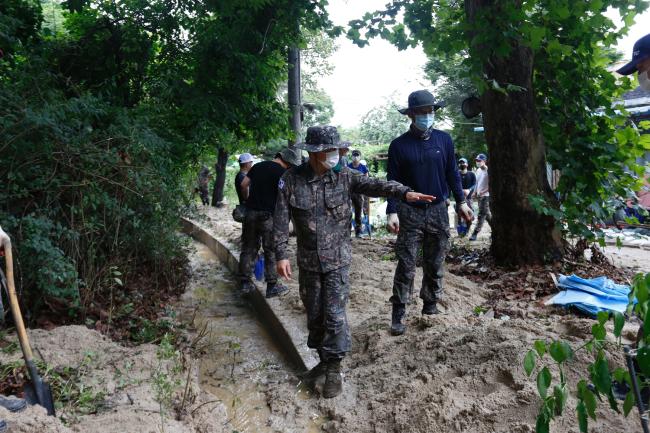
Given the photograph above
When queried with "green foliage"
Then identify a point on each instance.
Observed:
(321, 108)
(20, 21)
(39, 239)
(89, 186)
(104, 110)
(383, 124)
(600, 373)
(165, 375)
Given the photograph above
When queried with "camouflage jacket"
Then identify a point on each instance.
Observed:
(320, 209)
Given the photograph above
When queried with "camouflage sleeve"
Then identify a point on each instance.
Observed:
(281, 218)
(373, 187)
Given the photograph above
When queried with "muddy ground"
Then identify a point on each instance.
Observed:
(455, 372)
(107, 387)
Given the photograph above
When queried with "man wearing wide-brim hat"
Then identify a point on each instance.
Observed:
(316, 196)
(424, 159)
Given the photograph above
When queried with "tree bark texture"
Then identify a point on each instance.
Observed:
(219, 177)
(517, 161)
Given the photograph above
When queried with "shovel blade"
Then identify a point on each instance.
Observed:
(41, 395)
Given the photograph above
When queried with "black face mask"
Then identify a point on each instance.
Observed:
(462, 167)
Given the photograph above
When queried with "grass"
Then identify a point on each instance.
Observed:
(165, 376)
(72, 397)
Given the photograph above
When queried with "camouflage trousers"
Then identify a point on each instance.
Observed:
(205, 195)
(358, 200)
(257, 229)
(325, 295)
(427, 227)
(483, 213)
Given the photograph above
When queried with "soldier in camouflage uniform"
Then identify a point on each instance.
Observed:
(316, 196)
(203, 181)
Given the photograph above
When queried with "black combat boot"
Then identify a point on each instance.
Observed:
(247, 288)
(397, 327)
(275, 289)
(333, 381)
(430, 308)
(316, 372)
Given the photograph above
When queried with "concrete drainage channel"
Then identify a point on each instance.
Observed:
(269, 342)
(287, 333)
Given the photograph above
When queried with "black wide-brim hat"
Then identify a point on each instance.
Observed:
(640, 52)
(422, 98)
(321, 138)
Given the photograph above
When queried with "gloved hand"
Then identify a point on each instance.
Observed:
(466, 212)
(393, 223)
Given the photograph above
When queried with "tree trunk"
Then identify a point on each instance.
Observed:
(219, 178)
(517, 161)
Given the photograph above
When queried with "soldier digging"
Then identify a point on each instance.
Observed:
(316, 196)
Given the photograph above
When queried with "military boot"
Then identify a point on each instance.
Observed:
(430, 308)
(275, 289)
(397, 327)
(313, 374)
(247, 288)
(333, 380)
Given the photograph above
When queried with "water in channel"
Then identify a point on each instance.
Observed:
(240, 359)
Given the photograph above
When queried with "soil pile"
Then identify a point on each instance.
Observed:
(456, 372)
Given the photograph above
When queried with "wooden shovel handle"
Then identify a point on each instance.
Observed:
(5, 242)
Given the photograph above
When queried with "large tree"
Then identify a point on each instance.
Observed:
(520, 234)
(524, 57)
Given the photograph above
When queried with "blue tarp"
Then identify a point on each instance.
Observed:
(591, 295)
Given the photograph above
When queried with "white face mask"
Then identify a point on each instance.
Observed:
(331, 159)
(356, 159)
(644, 81)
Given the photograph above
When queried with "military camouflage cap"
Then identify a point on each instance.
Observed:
(291, 156)
(320, 138)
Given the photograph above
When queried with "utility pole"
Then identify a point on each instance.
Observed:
(294, 93)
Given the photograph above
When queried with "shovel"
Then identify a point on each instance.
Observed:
(36, 392)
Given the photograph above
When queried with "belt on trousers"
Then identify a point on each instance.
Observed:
(425, 205)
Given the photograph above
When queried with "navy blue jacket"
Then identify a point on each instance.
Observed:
(425, 164)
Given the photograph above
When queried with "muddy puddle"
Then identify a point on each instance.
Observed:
(239, 361)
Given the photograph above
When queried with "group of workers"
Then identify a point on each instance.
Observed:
(316, 196)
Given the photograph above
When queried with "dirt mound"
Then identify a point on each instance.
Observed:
(113, 388)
